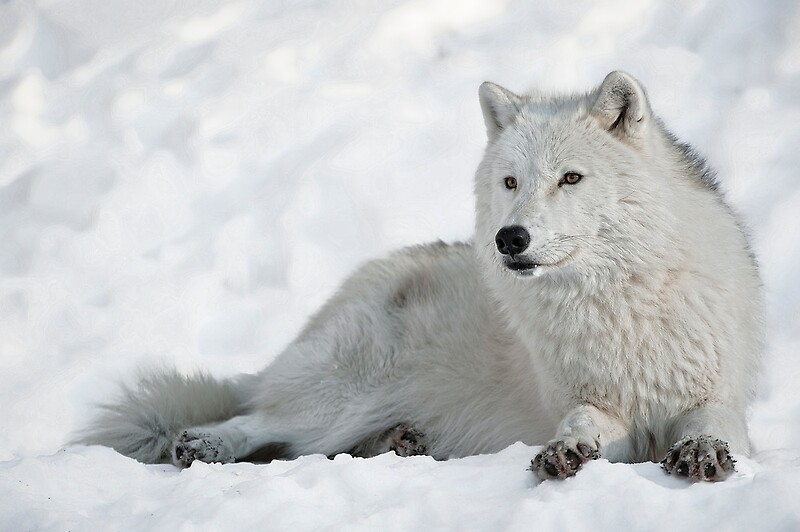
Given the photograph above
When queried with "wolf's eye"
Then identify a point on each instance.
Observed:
(570, 178)
(510, 182)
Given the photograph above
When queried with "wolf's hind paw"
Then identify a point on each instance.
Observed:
(206, 447)
(403, 439)
(406, 441)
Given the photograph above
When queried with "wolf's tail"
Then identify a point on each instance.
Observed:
(143, 421)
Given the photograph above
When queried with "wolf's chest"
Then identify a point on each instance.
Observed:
(635, 367)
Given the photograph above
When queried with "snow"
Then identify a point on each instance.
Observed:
(389, 493)
(186, 182)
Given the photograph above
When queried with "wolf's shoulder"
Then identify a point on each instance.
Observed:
(435, 258)
(437, 250)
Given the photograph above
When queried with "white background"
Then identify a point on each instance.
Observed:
(186, 182)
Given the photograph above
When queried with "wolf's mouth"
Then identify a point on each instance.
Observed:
(524, 266)
(521, 265)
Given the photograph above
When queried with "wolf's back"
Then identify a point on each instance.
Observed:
(144, 420)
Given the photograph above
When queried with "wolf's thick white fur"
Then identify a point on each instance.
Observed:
(636, 326)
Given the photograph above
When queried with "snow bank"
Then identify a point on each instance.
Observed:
(95, 488)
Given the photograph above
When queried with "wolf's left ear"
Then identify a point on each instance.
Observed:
(499, 106)
(621, 106)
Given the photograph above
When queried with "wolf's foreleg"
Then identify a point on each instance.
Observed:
(583, 435)
(705, 438)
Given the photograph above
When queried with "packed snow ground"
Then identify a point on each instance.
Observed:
(186, 182)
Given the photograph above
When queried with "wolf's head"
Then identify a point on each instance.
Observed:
(579, 185)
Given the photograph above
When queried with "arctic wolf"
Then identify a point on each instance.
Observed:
(608, 306)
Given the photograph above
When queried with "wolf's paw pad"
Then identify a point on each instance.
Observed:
(563, 458)
(406, 441)
(203, 446)
(699, 458)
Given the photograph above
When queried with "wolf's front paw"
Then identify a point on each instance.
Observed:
(699, 458)
(203, 446)
(563, 458)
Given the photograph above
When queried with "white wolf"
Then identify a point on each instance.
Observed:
(608, 306)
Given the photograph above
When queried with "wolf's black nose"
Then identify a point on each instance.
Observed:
(512, 240)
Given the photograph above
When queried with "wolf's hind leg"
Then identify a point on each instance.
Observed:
(247, 435)
(225, 442)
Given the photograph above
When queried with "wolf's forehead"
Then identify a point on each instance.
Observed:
(545, 126)
(556, 106)
(545, 138)
(553, 112)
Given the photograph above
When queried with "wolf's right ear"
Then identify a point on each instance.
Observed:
(499, 106)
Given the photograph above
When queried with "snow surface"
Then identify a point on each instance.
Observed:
(186, 182)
